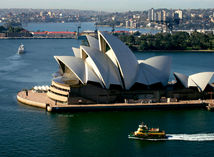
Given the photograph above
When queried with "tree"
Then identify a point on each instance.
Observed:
(131, 39)
(137, 33)
(2, 29)
(143, 45)
(167, 41)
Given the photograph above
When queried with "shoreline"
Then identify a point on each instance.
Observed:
(41, 100)
(14, 38)
(128, 27)
(206, 51)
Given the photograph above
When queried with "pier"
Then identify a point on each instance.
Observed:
(41, 100)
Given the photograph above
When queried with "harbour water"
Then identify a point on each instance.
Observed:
(84, 26)
(29, 131)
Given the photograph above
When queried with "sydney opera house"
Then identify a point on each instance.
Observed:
(107, 71)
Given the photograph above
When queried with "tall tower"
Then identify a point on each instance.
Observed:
(41, 13)
(151, 14)
(159, 16)
(180, 14)
(49, 13)
(127, 23)
(163, 15)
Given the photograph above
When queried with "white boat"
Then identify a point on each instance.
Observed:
(21, 49)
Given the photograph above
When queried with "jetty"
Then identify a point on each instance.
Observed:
(41, 100)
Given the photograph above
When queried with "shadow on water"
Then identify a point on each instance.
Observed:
(21, 108)
(146, 143)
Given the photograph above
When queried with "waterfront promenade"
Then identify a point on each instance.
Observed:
(41, 100)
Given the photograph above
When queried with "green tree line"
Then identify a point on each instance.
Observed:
(10, 29)
(167, 41)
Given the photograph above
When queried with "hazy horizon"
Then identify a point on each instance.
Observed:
(106, 5)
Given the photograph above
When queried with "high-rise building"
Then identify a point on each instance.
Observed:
(41, 13)
(131, 23)
(49, 13)
(163, 15)
(180, 14)
(127, 23)
(159, 16)
(176, 16)
(151, 14)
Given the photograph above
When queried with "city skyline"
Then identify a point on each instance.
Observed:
(107, 5)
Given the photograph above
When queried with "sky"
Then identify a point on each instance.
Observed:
(107, 5)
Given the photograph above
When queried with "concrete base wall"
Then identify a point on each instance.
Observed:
(95, 94)
(31, 103)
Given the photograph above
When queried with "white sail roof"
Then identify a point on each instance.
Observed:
(76, 52)
(122, 55)
(154, 70)
(108, 61)
(182, 78)
(78, 67)
(144, 75)
(162, 67)
(93, 42)
(199, 80)
(91, 76)
(102, 66)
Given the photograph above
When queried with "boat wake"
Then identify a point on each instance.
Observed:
(14, 57)
(183, 137)
(11, 63)
(191, 137)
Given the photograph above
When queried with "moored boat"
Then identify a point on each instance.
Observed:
(21, 49)
(145, 133)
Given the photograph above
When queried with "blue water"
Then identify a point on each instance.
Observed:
(29, 131)
(73, 27)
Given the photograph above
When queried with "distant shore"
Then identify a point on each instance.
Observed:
(129, 27)
(6, 38)
(15, 38)
(208, 51)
